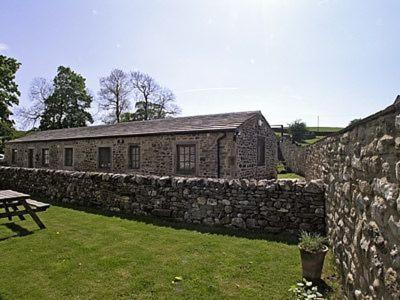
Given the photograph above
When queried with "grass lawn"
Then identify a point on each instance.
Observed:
(311, 141)
(290, 176)
(324, 129)
(93, 256)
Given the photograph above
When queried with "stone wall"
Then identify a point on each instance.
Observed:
(294, 155)
(360, 168)
(266, 205)
(157, 153)
(247, 150)
(237, 153)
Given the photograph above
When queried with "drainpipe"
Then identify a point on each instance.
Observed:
(219, 155)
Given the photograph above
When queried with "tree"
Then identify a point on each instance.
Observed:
(40, 90)
(354, 121)
(9, 94)
(127, 117)
(114, 95)
(165, 104)
(298, 130)
(151, 100)
(67, 106)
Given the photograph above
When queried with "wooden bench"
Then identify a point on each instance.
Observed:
(10, 200)
(37, 206)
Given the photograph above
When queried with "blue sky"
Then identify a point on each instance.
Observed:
(290, 59)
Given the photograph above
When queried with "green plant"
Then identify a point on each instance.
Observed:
(297, 129)
(312, 242)
(306, 290)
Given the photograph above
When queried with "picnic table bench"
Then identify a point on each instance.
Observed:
(11, 200)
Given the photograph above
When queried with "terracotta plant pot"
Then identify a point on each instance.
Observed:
(312, 263)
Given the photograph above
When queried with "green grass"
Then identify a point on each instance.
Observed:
(311, 141)
(93, 256)
(290, 176)
(324, 129)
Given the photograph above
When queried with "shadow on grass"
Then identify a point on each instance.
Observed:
(286, 238)
(18, 230)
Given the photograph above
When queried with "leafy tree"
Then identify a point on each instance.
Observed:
(354, 121)
(67, 106)
(127, 117)
(151, 100)
(9, 94)
(114, 95)
(297, 129)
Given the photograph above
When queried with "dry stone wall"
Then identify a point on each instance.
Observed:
(294, 155)
(360, 168)
(266, 205)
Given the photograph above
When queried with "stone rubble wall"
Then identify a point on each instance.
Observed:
(360, 168)
(224, 154)
(294, 155)
(265, 205)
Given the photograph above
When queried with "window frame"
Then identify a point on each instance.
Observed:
(65, 156)
(260, 151)
(98, 157)
(45, 157)
(192, 170)
(134, 159)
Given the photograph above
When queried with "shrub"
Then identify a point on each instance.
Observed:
(297, 130)
(312, 242)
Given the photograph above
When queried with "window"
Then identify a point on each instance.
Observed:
(45, 157)
(30, 158)
(260, 151)
(104, 157)
(14, 156)
(186, 159)
(134, 157)
(68, 157)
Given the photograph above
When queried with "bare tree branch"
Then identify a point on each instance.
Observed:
(114, 95)
(39, 91)
(151, 100)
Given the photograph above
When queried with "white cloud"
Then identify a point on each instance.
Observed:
(118, 45)
(3, 47)
(95, 12)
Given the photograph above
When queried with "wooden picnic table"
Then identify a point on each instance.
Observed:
(11, 200)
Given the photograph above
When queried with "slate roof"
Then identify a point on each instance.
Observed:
(204, 123)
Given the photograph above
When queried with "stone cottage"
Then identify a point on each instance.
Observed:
(230, 145)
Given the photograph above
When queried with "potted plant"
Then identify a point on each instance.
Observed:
(313, 248)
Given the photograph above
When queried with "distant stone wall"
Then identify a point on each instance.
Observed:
(266, 205)
(360, 168)
(294, 155)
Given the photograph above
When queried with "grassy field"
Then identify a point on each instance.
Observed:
(85, 255)
(290, 176)
(311, 141)
(324, 129)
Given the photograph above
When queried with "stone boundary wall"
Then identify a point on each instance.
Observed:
(266, 205)
(360, 167)
(294, 155)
